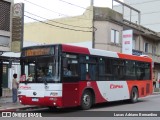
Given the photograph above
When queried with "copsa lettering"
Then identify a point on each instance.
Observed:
(25, 87)
(113, 86)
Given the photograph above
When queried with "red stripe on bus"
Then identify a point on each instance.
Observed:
(75, 49)
(133, 57)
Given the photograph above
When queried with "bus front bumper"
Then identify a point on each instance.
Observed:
(41, 101)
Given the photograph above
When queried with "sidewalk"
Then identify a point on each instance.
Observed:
(156, 91)
(7, 105)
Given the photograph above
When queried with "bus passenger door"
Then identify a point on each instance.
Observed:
(70, 79)
(70, 93)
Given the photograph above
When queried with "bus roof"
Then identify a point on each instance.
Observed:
(97, 52)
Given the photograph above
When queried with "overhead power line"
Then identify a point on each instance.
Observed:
(150, 12)
(144, 2)
(45, 8)
(75, 5)
(56, 21)
(152, 23)
(53, 11)
(144, 13)
(55, 25)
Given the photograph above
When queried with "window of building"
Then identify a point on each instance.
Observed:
(153, 49)
(134, 44)
(146, 47)
(150, 48)
(114, 36)
(5, 76)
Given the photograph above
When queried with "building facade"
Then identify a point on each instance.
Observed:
(5, 25)
(63, 30)
(5, 35)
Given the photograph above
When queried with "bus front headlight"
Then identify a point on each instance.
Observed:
(19, 92)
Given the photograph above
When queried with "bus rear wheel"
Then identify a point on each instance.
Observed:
(134, 95)
(86, 100)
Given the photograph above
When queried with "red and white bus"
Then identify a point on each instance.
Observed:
(96, 76)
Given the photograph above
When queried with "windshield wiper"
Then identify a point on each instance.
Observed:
(25, 82)
(44, 80)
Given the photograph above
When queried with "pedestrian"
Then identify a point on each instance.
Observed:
(67, 71)
(14, 88)
(154, 84)
(159, 83)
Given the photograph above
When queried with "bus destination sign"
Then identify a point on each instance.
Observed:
(39, 51)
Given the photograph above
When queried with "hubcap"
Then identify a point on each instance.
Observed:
(86, 99)
(134, 96)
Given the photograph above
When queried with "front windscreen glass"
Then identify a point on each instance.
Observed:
(40, 69)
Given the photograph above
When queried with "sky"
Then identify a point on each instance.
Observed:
(58, 8)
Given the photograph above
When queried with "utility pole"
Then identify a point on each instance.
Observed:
(92, 2)
(93, 30)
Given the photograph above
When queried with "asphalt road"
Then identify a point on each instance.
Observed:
(149, 105)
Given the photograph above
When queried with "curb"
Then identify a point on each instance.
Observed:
(155, 93)
(12, 109)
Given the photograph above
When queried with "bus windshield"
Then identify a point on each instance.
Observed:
(40, 69)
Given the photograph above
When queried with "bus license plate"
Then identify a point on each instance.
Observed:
(35, 99)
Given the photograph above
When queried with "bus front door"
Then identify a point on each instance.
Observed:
(70, 94)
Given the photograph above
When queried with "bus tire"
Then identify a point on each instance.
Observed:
(134, 95)
(86, 100)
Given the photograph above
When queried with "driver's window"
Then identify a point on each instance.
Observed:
(46, 69)
(31, 73)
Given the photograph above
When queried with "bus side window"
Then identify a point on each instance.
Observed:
(70, 66)
(65, 62)
(143, 71)
(83, 71)
(88, 68)
(74, 67)
(92, 71)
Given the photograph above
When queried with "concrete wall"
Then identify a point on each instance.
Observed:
(104, 13)
(158, 48)
(103, 36)
(6, 92)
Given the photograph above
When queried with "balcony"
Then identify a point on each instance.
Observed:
(155, 57)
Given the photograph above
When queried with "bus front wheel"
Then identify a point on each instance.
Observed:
(86, 100)
(134, 95)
